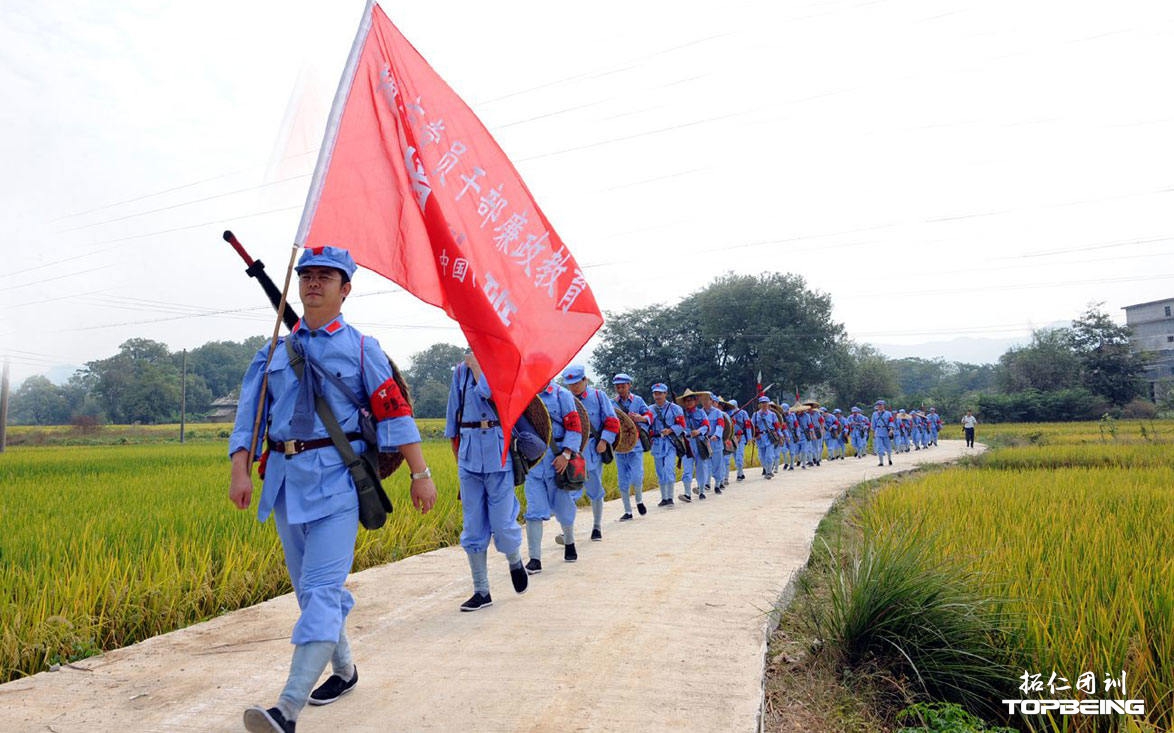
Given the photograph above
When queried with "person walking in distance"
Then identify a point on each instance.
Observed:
(968, 423)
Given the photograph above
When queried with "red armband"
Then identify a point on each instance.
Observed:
(681, 421)
(387, 402)
(571, 422)
(611, 424)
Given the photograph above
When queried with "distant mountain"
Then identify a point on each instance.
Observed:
(964, 349)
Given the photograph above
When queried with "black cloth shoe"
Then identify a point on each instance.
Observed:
(534, 566)
(718, 490)
(260, 720)
(641, 508)
(890, 461)
(477, 602)
(685, 498)
(627, 517)
(597, 536)
(741, 477)
(664, 502)
(520, 578)
(569, 553)
(333, 688)
(701, 495)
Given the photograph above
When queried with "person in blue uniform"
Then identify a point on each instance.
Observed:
(543, 496)
(883, 426)
(489, 504)
(859, 426)
(934, 423)
(790, 444)
(630, 465)
(718, 465)
(306, 485)
(604, 428)
(696, 431)
(667, 418)
(742, 430)
(765, 424)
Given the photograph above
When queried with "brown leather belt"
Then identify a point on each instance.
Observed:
(294, 447)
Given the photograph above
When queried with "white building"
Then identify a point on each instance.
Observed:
(1153, 331)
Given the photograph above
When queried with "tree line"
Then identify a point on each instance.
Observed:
(720, 338)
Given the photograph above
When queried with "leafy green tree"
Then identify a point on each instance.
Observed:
(720, 337)
(1110, 367)
(37, 401)
(1048, 363)
(222, 364)
(140, 383)
(430, 376)
(863, 378)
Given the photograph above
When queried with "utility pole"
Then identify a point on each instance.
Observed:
(4, 408)
(183, 397)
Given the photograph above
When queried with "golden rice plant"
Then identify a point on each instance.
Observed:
(1081, 549)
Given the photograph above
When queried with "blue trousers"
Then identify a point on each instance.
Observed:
(719, 465)
(319, 555)
(740, 454)
(490, 507)
(544, 498)
(594, 484)
(882, 445)
(630, 467)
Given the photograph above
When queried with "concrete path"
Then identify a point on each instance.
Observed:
(662, 626)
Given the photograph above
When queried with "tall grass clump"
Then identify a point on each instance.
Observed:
(898, 613)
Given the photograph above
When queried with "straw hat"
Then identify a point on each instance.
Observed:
(776, 410)
(811, 404)
(585, 421)
(799, 409)
(539, 418)
(691, 393)
(629, 434)
(723, 405)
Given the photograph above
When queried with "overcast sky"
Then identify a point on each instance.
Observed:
(940, 168)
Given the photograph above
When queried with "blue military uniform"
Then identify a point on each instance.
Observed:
(306, 485)
(630, 465)
(543, 497)
(669, 416)
(883, 426)
(858, 424)
(695, 421)
(605, 426)
(719, 467)
(489, 504)
(742, 427)
(766, 431)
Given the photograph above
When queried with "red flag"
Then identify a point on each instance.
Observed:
(796, 394)
(758, 385)
(412, 183)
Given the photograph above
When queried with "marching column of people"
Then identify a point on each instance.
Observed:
(688, 432)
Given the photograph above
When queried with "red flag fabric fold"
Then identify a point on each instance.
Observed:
(412, 183)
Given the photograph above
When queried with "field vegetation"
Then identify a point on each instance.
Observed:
(1048, 554)
(116, 534)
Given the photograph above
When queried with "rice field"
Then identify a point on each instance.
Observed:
(1069, 526)
(116, 534)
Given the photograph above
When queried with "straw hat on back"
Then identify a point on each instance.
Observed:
(629, 434)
